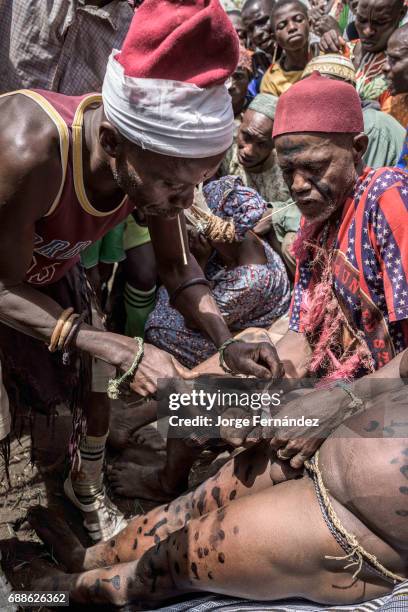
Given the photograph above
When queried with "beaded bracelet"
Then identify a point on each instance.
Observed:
(221, 350)
(114, 384)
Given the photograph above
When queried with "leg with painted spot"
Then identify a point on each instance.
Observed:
(284, 538)
(245, 474)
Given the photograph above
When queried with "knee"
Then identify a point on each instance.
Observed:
(144, 280)
(152, 577)
(140, 267)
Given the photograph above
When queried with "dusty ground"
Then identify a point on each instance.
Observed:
(36, 475)
(39, 482)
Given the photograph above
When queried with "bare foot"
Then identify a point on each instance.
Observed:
(125, 420)
(138, 481)
(46, 577)
(43, 575)
(58, 537)
(148, 437)
(142, 456)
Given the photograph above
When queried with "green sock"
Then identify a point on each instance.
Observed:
(138, 305)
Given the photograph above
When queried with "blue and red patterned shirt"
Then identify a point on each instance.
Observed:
(370, 263)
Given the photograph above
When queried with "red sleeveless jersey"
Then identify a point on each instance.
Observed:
(72, 223)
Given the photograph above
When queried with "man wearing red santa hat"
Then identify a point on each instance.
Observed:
(72, 168)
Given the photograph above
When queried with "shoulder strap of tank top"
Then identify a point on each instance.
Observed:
(79, 185)
(62, 131)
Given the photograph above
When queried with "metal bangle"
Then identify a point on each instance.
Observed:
(74, 331)
(64, 316)
(188, 283)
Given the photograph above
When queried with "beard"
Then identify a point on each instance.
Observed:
(332, 201)
(130, 183)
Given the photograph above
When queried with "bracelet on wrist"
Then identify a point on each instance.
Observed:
(71, 338)
(221, 351)
(115, 384)
(66, 317)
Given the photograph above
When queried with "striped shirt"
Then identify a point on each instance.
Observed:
(60, 46)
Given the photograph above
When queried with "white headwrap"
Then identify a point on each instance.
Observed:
(168, 117)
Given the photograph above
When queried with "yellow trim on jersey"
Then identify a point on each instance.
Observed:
(63, 133)
(77, 125)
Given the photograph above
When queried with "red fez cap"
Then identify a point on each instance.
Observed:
(182, 40)
(319, 104)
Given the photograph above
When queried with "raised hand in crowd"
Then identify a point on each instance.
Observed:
(332, 42)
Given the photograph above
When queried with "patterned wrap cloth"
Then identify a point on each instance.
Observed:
(247, 295)
(228, 198)
(270, 185)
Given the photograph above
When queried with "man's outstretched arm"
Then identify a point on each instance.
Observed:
(197, 304)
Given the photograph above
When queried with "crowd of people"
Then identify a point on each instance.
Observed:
(196, 189)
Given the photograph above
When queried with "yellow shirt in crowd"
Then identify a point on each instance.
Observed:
(276, 81)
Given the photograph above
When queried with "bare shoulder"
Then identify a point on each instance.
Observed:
(29, 152)
(28, 137)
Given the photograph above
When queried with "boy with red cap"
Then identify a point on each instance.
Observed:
(74, 167)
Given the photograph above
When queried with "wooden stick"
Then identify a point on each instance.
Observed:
(275, 212)
(183, 248)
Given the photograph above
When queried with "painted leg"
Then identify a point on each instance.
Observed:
(284, 538)
(245, 474)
